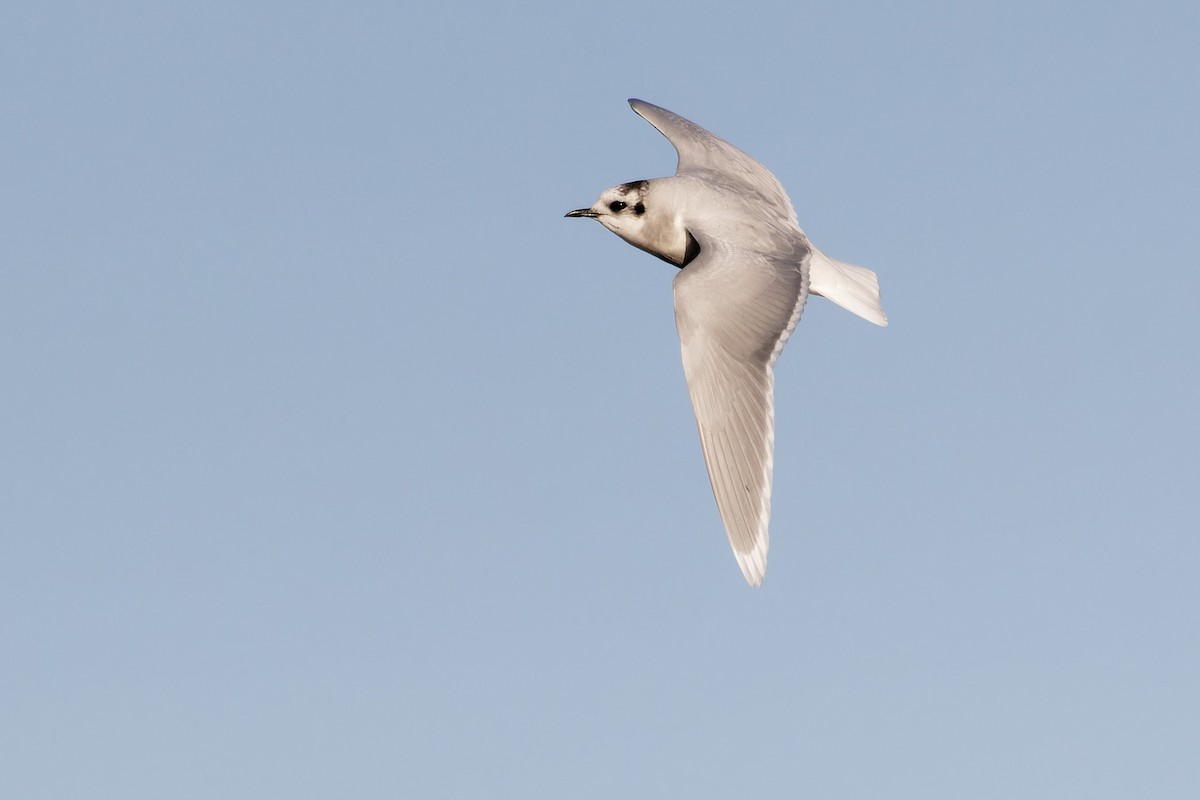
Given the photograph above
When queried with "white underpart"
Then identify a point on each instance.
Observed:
(736, 304)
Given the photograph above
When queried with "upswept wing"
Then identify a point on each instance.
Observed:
(706, 156)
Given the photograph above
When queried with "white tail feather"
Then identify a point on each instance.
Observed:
(855, 289)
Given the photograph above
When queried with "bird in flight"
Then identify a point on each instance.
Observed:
(745, 272)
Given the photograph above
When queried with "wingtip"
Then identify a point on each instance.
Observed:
(645, 109)
(753, 565)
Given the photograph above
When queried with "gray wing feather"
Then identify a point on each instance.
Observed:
(734, 309)
(703, 155)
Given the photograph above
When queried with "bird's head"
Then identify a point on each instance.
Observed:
(629, 211)
(621, 209)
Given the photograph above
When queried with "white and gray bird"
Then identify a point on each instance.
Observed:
(746, 270)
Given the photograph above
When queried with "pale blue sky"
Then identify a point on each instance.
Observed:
(334, 462)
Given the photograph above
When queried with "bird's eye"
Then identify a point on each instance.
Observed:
(616, 205)
(639, 209)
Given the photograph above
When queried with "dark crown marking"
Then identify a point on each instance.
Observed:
(635, 191)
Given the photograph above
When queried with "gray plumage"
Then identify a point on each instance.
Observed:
(746, 271)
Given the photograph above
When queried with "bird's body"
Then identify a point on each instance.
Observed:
(746, 270)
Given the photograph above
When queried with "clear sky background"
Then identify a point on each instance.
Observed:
(334, 462)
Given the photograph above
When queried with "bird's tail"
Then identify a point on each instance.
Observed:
(853, 288)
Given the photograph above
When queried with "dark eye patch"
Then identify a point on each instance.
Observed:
(616, 205)
(639, 209)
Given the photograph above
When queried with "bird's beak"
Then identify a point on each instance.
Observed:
(582, 212)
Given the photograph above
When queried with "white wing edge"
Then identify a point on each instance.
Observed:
(732, 450)
(746, 520)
